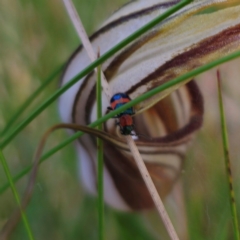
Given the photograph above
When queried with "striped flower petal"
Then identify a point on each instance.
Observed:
(196, 35)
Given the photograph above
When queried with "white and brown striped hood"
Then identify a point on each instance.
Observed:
(196, 35)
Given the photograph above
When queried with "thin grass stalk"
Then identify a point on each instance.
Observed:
(133, 102)
(100, 182)
(152, 189)
(29, 101)
(90, 67)
(227, 159)
(14, 191)
(76, 21)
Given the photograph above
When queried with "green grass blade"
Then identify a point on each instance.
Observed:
(29, 101)
(133, 102)
(90, 67)
(15, 179)
(11, 182)
(100, 161)
(227, 160)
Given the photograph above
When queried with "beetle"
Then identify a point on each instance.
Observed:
(118, 100)
(126, 124)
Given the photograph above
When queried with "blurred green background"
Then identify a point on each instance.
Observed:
(36, 38)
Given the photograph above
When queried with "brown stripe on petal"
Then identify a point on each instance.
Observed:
(149, 147)
(82, 111)
(196, 117)
(89, 104)
(165, 111)
(163, 151)
(127, 179)
(131, 16)
(118, 60)
(129, 182)
(162, 179)
(199, 54)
